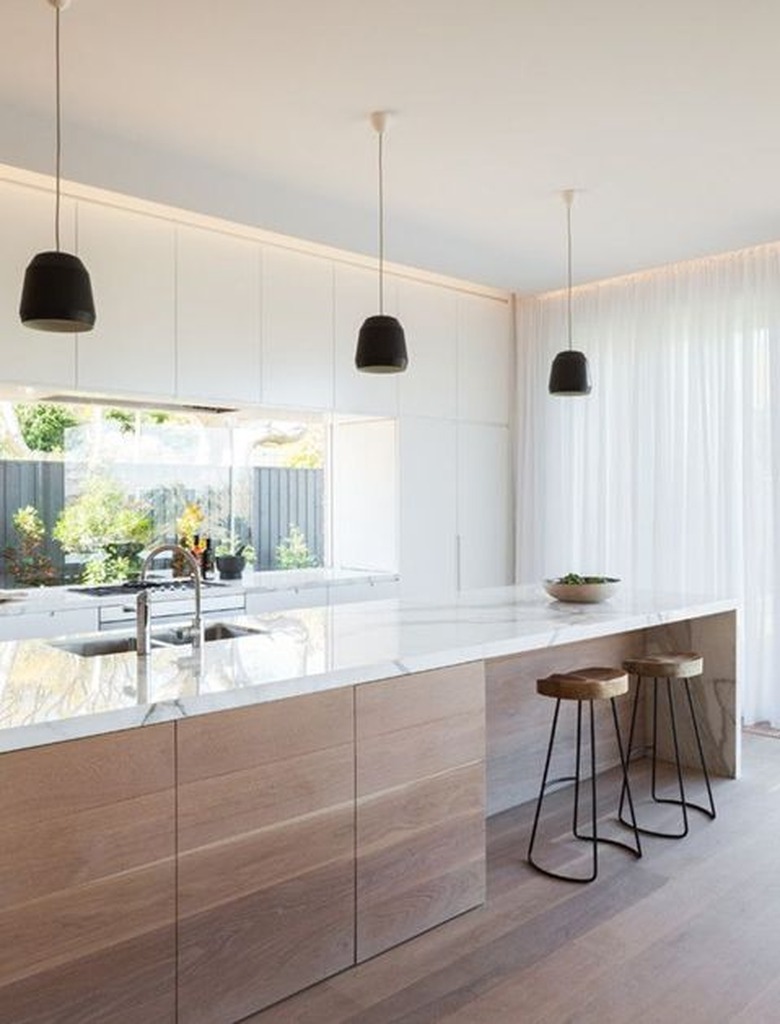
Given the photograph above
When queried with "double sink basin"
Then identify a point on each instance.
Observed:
(124, 643)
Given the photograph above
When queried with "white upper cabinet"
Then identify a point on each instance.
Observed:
(297, 330)
(428, 314)
(217, 317)
(428, 541)
(484, 506)
(357, 297)
(31, 356)
(131, 260)
(485, 373)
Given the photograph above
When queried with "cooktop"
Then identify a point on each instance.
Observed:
(167, 586)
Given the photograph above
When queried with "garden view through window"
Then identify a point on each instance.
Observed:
(86, 488)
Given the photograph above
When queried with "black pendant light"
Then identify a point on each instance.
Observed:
(570, 374)
(381, 346)
(57, 293)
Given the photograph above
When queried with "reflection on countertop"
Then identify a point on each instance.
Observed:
(49, 694)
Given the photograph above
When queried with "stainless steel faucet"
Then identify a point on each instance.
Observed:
(143, 603)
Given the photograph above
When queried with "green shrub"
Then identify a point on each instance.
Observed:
(27, 563)
(102, 518)
(293, 551)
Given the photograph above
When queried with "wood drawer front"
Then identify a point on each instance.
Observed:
(87, 880)
(266, 846)
(421, 803)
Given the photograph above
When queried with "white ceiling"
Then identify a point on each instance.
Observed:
(664, 114)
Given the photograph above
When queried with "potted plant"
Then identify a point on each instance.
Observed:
(232, 558)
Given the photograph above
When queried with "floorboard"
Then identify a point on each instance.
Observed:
(687, 933)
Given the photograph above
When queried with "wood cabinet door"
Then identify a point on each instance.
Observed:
(87, 881)
(266, 853)
(420, 745)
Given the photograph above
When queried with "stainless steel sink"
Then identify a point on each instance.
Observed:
(95, 646)
(211, 631)
(102, 644)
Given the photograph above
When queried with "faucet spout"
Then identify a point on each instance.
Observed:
(143, 601)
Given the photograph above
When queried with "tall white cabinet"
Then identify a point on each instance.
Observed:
(456, 454)
(428, 520)
(484, 494)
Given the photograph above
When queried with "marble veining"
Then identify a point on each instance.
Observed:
(48, 694)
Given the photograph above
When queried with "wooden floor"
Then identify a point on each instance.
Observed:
(690, 933)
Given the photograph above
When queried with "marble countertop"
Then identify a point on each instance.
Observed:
(49, 694)
(48, 599)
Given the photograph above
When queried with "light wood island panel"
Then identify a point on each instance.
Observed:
(518, 719)
(420, 743)
(87, 892)
(266, 853)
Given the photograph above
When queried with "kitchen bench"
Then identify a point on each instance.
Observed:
(218, 834)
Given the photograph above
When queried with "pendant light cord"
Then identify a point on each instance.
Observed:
(380, 169)
(568, 197)
(58, 133)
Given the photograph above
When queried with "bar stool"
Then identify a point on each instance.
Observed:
(584, 685)
(678, 668)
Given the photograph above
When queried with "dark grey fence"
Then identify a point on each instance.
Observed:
(279, 498)
(284, 498)
(40, 484)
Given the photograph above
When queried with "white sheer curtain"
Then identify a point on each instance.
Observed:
(668, 474)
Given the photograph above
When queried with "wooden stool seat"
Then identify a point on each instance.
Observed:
(584, 684)
(666, 666)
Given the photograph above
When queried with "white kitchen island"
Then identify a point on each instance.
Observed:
(224, 831)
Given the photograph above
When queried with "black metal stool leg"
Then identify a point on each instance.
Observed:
(711, 811)
(653, 772)
(542, 788)
(654, 745)
(629, 748)
(594, 838)
(593, 795)
(682, 801)
(625, 789)
(577, 762)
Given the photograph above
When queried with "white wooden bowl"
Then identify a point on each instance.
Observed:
(582, 593)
